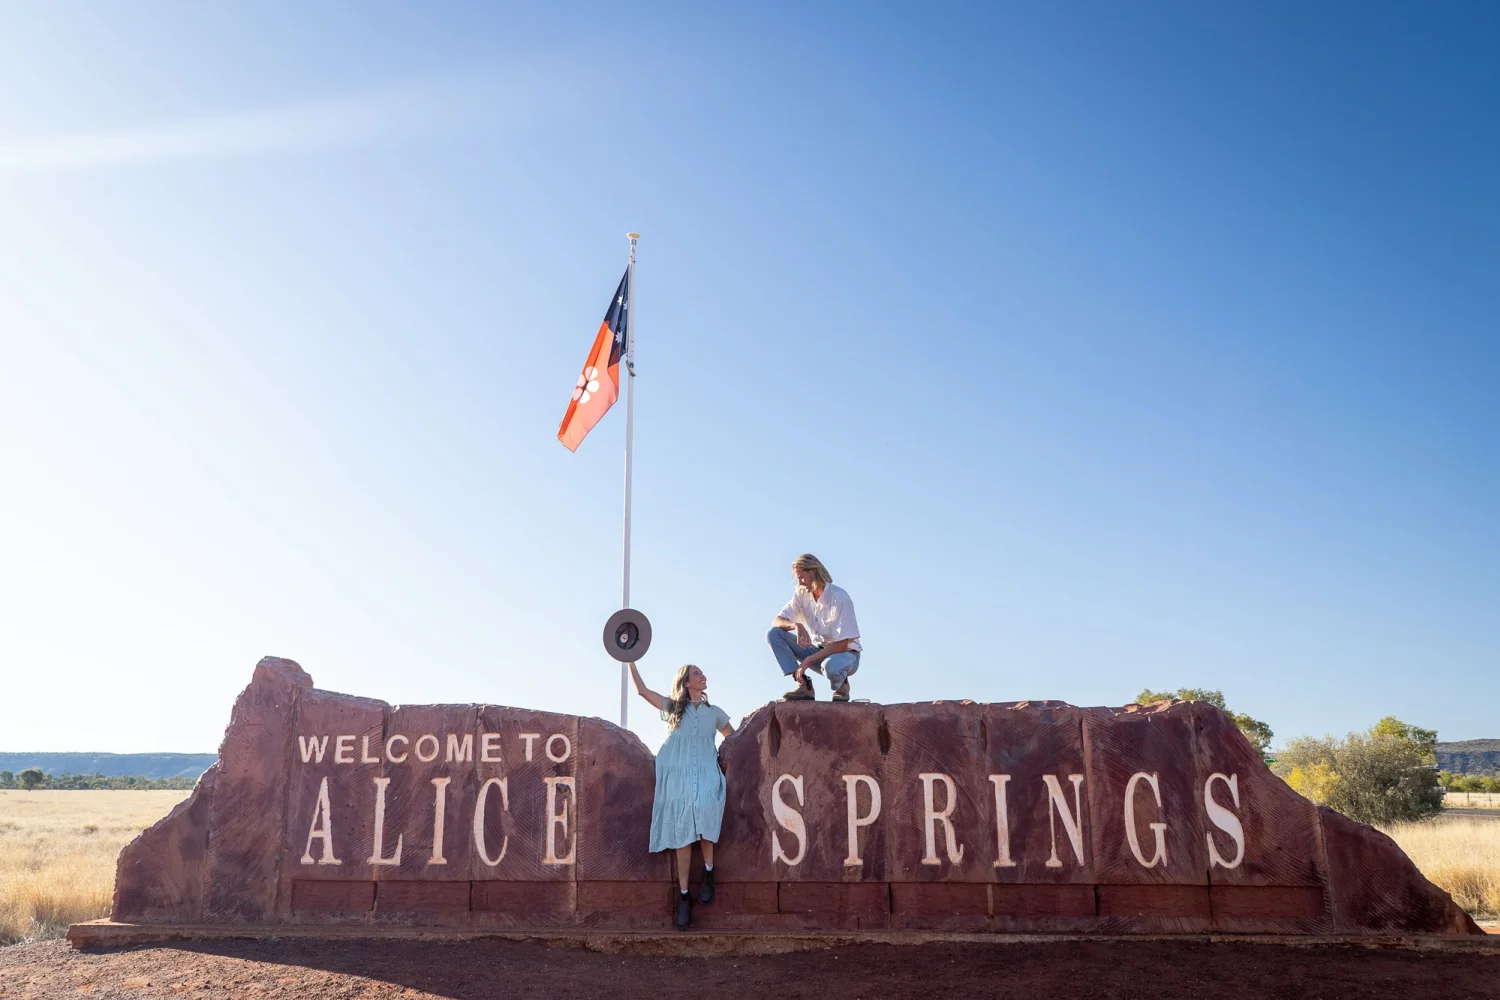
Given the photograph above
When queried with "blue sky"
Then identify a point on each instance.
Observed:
(1092, 348)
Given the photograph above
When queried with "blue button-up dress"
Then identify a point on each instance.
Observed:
(689, 803)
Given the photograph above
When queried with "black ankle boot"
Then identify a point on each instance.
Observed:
(684, 911)
(706, 888)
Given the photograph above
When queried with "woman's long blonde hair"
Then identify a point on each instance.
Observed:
(678, 700)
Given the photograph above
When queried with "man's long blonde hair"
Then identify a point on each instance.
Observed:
(678, 700)
(820, 573)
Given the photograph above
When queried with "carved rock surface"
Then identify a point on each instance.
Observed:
(1006, 817)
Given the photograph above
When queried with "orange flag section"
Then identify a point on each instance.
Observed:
(597, 389)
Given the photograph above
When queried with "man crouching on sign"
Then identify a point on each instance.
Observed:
(816, 631)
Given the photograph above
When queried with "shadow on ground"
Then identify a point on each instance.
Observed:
(491, 969)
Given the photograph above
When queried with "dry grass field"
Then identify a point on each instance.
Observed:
(1471, 800)
(57, 854)
(58, 850)
(1460, 854)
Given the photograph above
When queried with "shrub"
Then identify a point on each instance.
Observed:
(1316, 781)
(1384, 779)
(1381, 776)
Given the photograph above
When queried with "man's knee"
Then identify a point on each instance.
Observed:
(776, 635)
(841, 665)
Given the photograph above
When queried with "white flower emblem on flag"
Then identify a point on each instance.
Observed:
(588, 384)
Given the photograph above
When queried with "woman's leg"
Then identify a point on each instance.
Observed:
(684, 863)
(706, 889)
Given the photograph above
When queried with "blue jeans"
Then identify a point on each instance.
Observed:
(790, 655)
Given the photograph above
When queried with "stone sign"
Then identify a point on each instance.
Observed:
(1013, 817)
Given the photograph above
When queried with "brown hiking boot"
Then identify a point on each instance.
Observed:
(802, 692)
(841, 693)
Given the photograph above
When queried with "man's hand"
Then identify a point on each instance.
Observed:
(803, 639)
(811, 663)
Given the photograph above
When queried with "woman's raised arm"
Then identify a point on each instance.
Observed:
(655, 700)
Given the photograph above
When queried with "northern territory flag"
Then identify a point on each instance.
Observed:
(599, 384)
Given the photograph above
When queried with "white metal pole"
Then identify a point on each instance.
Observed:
(629, 440)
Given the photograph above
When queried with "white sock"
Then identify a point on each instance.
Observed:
(708, 868)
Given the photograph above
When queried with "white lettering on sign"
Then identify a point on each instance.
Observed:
(460, 752)
(439, 799)
(863, 807)
(321, 829)
(1057, 804)
(479, 845)
(1159, 856)
(454, 748)
(1002, 822)
(557, 819)
(312, 746)
(932, 817)
(789, 819)
(375, 858)
(1224, 820)
(851, 792)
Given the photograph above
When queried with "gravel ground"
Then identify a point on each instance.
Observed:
(364, 970)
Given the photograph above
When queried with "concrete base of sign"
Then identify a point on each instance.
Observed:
(707, 944)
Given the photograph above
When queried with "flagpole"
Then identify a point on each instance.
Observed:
(629, 441)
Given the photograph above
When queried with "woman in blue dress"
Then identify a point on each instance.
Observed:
(689, 803)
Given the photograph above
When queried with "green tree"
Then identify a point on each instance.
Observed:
(1424, 740)
(31, 777)
(1383, 775)
(1384, 780)
(1258, 733)
(7, 779)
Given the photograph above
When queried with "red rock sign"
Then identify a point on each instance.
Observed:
(1012, 817)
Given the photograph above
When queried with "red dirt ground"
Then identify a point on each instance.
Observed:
(364, 970)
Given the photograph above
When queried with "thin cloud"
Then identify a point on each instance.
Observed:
(391, 115)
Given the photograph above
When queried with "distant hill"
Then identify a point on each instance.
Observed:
(1470, 757)
(138, 765)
